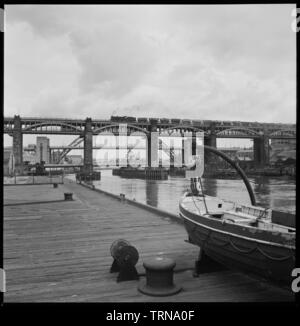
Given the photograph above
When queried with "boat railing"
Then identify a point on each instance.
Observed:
(256, 211)
(276, 227)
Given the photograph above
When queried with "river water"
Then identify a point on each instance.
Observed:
(275, 193)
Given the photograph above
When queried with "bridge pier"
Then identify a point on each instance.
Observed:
(117, 135)
(18, 145)
(194, 143)
(149, 150)
(182, 151)
(172, 155)
(88, 147)
(151, 146)
(210, 140)
(160, 154)
(261, 151)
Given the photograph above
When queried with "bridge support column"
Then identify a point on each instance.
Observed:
(211, 141)
(172, 155)
(194, 143)
(18, 145)
(149, 150)
(88, 147)
(159, 154)
(261, 151)
(182, 151)
(267, 150)
(117, 135)
(152, 128)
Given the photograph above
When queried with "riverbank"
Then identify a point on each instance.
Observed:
(59, 251)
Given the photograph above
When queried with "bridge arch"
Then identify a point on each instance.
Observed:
(129, 126)
(190, 128)
(238, 132)
(284, 133)
(51, 124)
(76, 142)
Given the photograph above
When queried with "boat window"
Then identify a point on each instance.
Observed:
(217, 215)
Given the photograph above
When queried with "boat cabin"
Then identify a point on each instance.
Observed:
(245, 215)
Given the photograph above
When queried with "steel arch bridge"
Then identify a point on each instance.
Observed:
(227, 129)
(86, 128)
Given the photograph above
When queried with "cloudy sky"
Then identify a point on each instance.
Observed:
(231, 62)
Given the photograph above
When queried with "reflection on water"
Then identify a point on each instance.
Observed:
(210, 187)
(152, 193)
(276, 193)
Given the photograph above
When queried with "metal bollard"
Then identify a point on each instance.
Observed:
(68, 195)
(159, 277)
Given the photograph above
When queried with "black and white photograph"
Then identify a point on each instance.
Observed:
(149, 155)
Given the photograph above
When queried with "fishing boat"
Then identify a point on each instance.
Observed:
(243, 237)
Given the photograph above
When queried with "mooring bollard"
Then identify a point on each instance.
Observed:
(68, 195)
(55, 185)
(122, 197)
(159, 277)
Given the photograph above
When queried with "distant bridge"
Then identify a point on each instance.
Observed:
(86, 129)
(222, 129)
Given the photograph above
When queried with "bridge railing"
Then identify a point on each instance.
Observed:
(49, 178)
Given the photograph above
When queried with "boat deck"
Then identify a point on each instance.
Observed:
(226, 211)
(59, 251)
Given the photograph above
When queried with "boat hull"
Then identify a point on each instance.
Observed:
(257, 252)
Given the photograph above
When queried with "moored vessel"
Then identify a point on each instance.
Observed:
(244, 237)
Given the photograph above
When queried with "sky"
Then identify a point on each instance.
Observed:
(222, 62)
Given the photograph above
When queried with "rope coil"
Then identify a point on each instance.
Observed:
(211, 239)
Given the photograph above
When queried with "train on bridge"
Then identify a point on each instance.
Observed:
(196, 123)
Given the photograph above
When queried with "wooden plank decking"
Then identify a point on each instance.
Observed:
(60, 251)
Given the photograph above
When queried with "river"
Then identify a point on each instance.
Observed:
(275, 193)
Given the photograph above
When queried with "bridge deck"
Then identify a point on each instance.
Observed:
(60, 251)
(227, 129)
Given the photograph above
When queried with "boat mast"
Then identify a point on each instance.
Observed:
(195, 182)
(203, 195)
